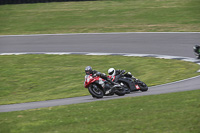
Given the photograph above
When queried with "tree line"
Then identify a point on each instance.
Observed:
(2, 2)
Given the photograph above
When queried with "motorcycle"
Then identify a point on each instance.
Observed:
(129, 82)
(196, 49)
(97, 87)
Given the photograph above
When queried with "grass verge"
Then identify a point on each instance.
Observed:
(26, 78)
(101, 16)
(174, 113)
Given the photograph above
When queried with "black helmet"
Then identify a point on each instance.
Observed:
(88, 70)
(196, 47)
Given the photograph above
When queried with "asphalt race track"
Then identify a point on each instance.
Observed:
(176, 44)
(170, 44)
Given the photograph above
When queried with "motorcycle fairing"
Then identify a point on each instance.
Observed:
(130, 83)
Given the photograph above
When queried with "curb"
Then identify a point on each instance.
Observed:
(122, 54)
(106, 33)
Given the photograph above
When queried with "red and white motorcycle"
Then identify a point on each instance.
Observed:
(99, 87)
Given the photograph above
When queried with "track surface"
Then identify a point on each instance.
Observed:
(173, 44)
(176, 44)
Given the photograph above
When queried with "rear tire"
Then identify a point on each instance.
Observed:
(95, 91)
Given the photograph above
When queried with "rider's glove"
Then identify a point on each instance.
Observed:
(98, 74)
(123, 71)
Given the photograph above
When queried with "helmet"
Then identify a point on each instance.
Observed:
(196, 47)
(111, 71)
(88, 70)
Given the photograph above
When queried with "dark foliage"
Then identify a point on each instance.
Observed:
(2, 2)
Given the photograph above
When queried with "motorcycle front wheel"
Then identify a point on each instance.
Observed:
(120, 92)
(197, 55)
(95, 91)
(143, 86)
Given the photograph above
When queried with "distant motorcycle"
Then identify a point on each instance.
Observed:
(197, 51)
(129, 82)
(98, 87)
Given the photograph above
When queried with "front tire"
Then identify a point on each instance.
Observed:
(95, 91)
(197, 56)
(143, 86)
(120, 92)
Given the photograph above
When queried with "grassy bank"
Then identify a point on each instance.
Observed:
(101, 16)
(174, 113)
(26, 78)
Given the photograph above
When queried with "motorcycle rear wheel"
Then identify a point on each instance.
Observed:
(95, 91)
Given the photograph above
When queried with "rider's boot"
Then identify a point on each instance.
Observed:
(108, 91)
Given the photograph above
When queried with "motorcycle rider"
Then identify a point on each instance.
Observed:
(89, 71)
(197, 49)
(113, 73)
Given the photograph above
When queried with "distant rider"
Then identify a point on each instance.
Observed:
(89, 71)
(197, 49)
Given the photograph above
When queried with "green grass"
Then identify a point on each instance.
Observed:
(166, 113)
(101, 16)
(26, 78)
